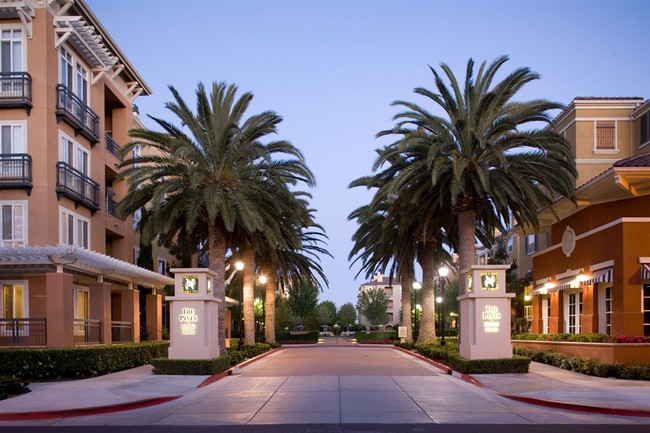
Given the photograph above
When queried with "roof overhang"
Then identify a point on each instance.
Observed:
(18, 9)
(76, 258)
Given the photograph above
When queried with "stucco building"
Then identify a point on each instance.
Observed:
(393, 292)
(67, 96)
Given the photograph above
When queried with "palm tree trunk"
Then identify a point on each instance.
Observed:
(407, 284)
(427, 333)
(269, 308)
(217, 264)
(248, 277)
(466, 245)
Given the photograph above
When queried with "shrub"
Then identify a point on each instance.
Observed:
(386, 337)
(11, 386)
(76, 362)
(578, 338)
(516, 364)
(191, 366)
(286, 337)
(247, 352)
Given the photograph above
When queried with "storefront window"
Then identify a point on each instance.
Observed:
(574, 304)
(646, 310)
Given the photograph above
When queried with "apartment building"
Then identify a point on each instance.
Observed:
(393, 292)
(67, 96)
(587, 268)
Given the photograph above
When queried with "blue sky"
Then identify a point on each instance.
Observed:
(331, 68)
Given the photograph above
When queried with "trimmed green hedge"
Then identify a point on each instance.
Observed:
(247, 352)
(11, 386)
(516, 364)
(576, 338)
(377, 337)
(76, 362)
(285, 337)
(191, 366)
(591, 367)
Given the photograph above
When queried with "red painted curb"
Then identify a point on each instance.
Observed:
(579, 407)
(68, 413)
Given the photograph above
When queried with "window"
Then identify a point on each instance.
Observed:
(74, 154)
(162, 266)
(81, 308)
(531, 244)
(646, 310)
(645, 129)
(137, 215)
(12, 138)
(528, 313)
(511, 245)
(14, 300)
(605, 135)
(14, 223)
(11, 50)
(136, 155)
(74, 75)
(608, 310)
(74, 229)
(574, 312)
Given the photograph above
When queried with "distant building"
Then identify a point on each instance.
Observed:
(393, 292)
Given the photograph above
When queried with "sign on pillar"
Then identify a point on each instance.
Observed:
(194, 320)
(485, 313)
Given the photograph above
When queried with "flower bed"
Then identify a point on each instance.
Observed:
(615, 353)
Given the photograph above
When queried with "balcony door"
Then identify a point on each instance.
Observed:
(11, 60)
(11, 143)
(76, 156)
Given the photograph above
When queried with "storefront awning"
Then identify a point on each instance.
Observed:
(645, 271)
(605, 275)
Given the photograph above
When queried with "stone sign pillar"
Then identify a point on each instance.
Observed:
(485, 313)
(194, 315)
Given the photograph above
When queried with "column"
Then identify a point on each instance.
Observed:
(60, 309)
(100, 308)
(154, 316)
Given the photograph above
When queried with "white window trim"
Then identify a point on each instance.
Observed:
(23, 124)
(598, 151)
(77, 218)
(75, 145)
(25, 284)
(566, 312)
(164, 260)
(75, 61)
(545, 319)
(23, 44)
(24, 204)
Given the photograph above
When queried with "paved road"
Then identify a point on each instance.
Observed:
(339, 389)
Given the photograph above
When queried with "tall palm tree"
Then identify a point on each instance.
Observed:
(481, 158)
(202, 175)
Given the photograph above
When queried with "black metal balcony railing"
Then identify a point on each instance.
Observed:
(112, 147)
(16, 90)
(111, 207)
(16, 171)
(75, 185)
(74, 111)
(23, 332)
(88, 331)
(121, 331)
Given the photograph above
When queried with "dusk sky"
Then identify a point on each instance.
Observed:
(332, 68)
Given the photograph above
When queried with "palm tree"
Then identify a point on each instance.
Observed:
(202, 176)
(481, 159)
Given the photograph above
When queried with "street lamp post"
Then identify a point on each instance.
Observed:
(240, 266)
(442, 272)
(416, 287)
(263, 283)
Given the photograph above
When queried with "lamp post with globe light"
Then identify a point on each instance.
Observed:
(416, 288)
(442, 273)
(240, 267)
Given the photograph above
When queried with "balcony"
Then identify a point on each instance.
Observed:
(111, 207)
(16, 90)
(112, 147)
(87, 331)
(121, 332)
(77, 114)
(16, 171)
(78, 187)
(23, 332)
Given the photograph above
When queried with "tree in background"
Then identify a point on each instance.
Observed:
(347, 315)
(283, 319)
(326, 313)
(303, 300)
(372, 304)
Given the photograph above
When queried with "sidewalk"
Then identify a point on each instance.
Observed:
(138, 387)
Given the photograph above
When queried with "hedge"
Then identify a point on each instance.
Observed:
(191, 366)
(286, 337)
(247, 352)
(12, 386)
(516, 364)
(377, 337)
(588, 366)
(77, 362)
(576, 338)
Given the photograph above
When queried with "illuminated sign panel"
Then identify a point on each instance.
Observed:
(188, 320)
(491, 319)
(468, 285)
(489, 281)
(190, 284)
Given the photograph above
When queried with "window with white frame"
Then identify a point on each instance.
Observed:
(81, 308)
(644, 133)
(77, 157)
(74, 229)
(573, 312)
(136, 154)
(137, 215)
(14, 300)
(511, 245)
(74, 75)
(646, 310)
(546, 313)
(162, 266)
(531, 244)
(605, 135)
(13, 229)
(12, 137)
(11, 60)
